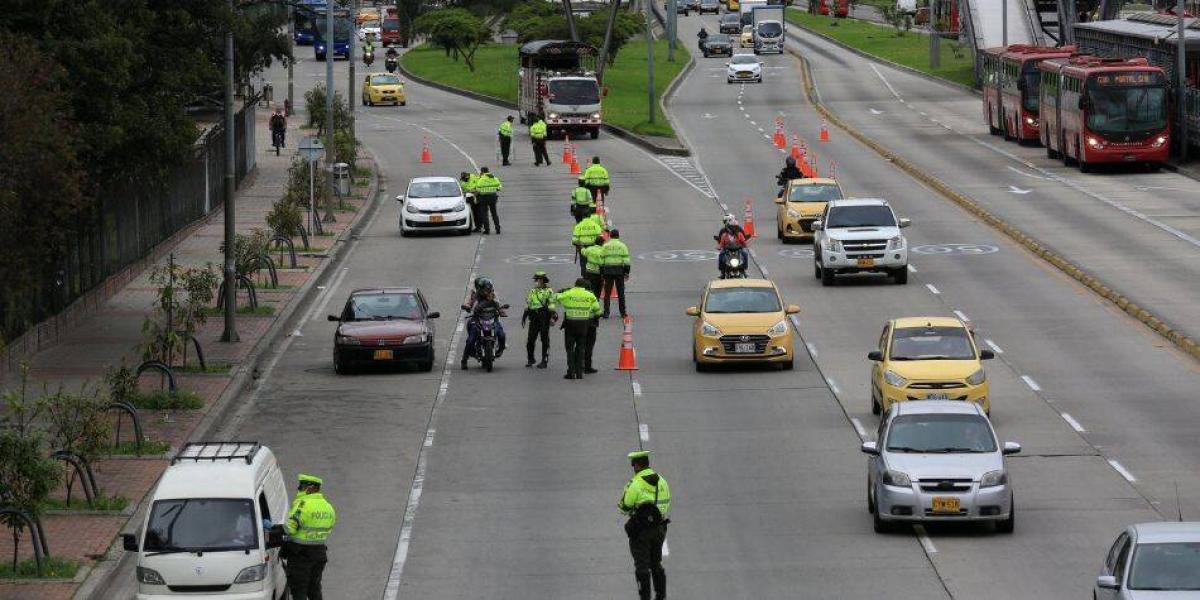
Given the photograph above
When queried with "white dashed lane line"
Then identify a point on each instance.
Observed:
(1123, 471)
(962, 316)
(811, 348)
(1073, 423)
(858, 426)
(644, 432)
(637, 389)
(1033, 385)
(932, 289)
(993, 346)
(923, 537)
(912, 269)
(833, 386)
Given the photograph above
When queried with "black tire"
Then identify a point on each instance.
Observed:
(900, 276)
(1153, 167)
(827, 277)
(405, 103)
(595, 133)
(426, 365)
(338, 367)
(701, 367)
(1051, 153)
(779, 233)
(816, 270)
(876, 408)
(1084, 167)
(790, 364)
(1008, 525)
(870, 500)
(364, 101)
(878, 524)
(487, 358)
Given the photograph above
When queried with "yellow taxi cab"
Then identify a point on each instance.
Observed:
(928, 358)
(802, 202)
(383, 88)
(733, 5)
(740, 321)
(748, 36)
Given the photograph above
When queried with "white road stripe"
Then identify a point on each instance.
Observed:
(962, 316)
(1033, 385)
(886, 82)
(833, 386)
(1123, 471)
(912, 269)
(320, 308)
(994, 347)
(753, 123)
(644, 432)
(637, 389)
(858, 426)
(812, 349)
(922, 536)
(932, 288)
(1073, 423)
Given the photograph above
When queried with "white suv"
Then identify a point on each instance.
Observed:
(859, 235)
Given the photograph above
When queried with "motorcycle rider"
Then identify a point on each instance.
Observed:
(390, 59)
(731, 236)
(278, 124)
(369, 49)
(789, 172)
(482, 303)
(703, 35)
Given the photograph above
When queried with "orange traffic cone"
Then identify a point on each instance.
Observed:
(426, 155)
(748, 217)
(612, 292)
(824, 131)
(780, 138)
(628, 358)
(575, 166)
(796, 148)
(568, 155)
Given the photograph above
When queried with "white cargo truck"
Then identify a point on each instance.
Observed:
(557, 81)
(745, 8)
(768, 29)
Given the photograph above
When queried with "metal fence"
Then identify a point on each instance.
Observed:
(130, 220)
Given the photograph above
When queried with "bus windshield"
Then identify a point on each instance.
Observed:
(1033, 79)
(1127, 103)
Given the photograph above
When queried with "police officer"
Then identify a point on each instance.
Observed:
(582, 203)
(615, 270)
(584, 234)
(467, 182)
(309, 523)
(505, 134)
(580, 309)
(646, 500)
(541, 309)
(487, 190)
(595, 177)
(592, 257)
(537, 133)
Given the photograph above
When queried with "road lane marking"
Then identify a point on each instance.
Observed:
(962, 316)
(923, 537)
(885, 82)
(932, 289)
(833, 386)
(763, 268)
(812, 349)
(329, 291)
(1033, 385)
(994, 347)
(1123, 471)
(1073, 423)
(644, 432)
(911, 269)
(637, 389)
(858, 426)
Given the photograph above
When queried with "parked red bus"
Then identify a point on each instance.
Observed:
(841, 8)
(1010, 88)
(1104, 110)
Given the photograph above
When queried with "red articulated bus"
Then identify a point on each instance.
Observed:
(841, 8)
(1104, 110)
(1010, 88)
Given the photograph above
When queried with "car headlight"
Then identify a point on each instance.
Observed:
(793, 214)
(461, 206)
(778, 329)
(252, 574)
(1159, 141)
(896, 478)
(595, 115)
(977, 377)
(1095, 142)
(833, 245)
(552, 115)
(409, 208)
(896, 243)
(993, 479)
(420, 338)
(893, 379)
(149, 576)
(348, 340)
(1030, 121)
(709, 329)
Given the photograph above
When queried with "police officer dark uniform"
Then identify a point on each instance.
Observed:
(646, 500)
(582, 203)
(537, 133)
(580, 309)
(309, 523)
(505, 135)
(596, 178)
(541, 309)
(615, 270)
(487, 193)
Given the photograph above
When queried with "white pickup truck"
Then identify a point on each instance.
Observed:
(859, 235)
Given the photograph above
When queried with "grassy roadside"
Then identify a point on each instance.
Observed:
(496, 75)
(910, 49)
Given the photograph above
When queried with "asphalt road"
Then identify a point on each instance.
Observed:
(511, 478)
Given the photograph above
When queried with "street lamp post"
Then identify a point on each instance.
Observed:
(1004, 23)
(230, 334)
(291, 97)
(350, 78)
(330, 56)
(649, 64)
(1181, 81)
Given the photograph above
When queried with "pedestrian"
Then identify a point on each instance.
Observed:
(592, 257)
(615, 271)
(582, 203)
(541, 310)
(596, 178)
(537, 133)
(584, 234)
(505, 134)
(467, 182)
(646, 500)
(487, 192)
(309, 523)
(580, 309)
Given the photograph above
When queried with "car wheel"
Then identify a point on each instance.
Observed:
(779, 232)
(1084, 166)
(364, 101)
(595, 133)
(816, 270)
(876, 408)
(404, 103)
(900, 276)
(878, 524)
(426, 365)
(870, 498)
(827, 277)
(338, 367)
(790, 364)
(1051, 152)
(1010, 524)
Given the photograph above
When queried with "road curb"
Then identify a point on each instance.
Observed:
(1093, 283)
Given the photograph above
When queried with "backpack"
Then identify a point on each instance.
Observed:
(645, 517)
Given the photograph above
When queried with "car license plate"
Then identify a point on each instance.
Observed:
(945, 504)
(746, 348)
(435, 218)
(866, 262)
(937, 396)
(383, 355)
(1130, 157)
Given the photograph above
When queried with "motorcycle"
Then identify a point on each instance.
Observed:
(732, 261)
(391, 64)
(487, 341)
(368, 57)
(277, 140)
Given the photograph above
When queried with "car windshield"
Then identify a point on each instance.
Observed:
(379, 307)
(931, 343)
(574, 91)
(742, 300)
(1168, 566)
(1127, 103)
(385, 80)
(940, 433)
(744, 59)
(717, 38)
(770, 29)
(730, 18)
(434, 189)
(201, 524)
(871, 215)
(1033, 79)
(817, 192)
(391, 24)
(747, 30)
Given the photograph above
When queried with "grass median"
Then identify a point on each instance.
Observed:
(910, 49)
(496, 75)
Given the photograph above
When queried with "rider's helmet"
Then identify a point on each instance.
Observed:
(483, 284)
(728, 220)
(791, 161)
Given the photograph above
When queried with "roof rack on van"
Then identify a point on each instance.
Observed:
(215, 451)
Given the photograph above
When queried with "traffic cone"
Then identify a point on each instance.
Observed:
(568, 155)
(426, 155)
(612, 292)
(748, 217)
(833, 169)
(796, 148)
(575, 166)
(628, 358)
(824, 131)
(780, 138)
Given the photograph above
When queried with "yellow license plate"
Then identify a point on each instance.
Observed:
(866, 262)
(383, 355)
(945, 504)
(435, 218)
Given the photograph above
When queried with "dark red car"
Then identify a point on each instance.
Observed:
(384, 326)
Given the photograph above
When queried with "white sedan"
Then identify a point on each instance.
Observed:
(371, 29)
(744, 67)
(433, 204)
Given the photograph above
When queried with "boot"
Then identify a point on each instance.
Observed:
(529, 363)
(659, 576)
(545, 362)
(590, 371)
(643, 581)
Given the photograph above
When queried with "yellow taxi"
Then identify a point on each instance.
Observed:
(740, 321)
(748, 36)
(802, 202)
(928, 358)
(733, 5)
(383, 88)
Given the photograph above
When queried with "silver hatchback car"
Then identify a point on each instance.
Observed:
(1152, 560)
(938, 460)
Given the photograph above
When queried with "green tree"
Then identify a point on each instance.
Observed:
(78, 424)
(456, 30)
(26, 478)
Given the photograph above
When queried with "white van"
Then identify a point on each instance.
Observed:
(906, 6)
(207, 531)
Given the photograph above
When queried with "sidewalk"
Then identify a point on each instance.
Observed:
(112, 333)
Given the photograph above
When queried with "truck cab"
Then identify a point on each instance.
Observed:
(557, 81)
(768, 29)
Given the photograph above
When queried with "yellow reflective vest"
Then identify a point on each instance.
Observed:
(586, 232)
(596, 175)
(639, 491)
(310, 520)
(594, 255)
(506, 129)
(616, 253)
(537, 131)
(579, 304)
(488, 184)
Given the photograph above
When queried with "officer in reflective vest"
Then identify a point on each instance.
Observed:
(487, 191)
(505, 134)
(646, 500)
(615, 270)
(596, 178)
(537, 133)
(582, 203)
(467, 182)
(580, 311)
(541, 309)
(309, 523)
(592, 257)
(584, 234)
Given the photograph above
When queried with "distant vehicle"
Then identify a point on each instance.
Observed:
(214, 522)
(801, 204)
(733, 5)
(304, 20)
(840, 8)
(371, 29)
(746, 8)
(384, 326)
(1011, 86)
(1096, 110)
(747, 39)
(769, 24)
(683, 7)
(383, 88)
(743, 67)
(557, 79)
(709, 6)
(859, 235)
(432, 204)
(342, 30)
(928, 358)
(741, 321)
(907, 6)
(389, 28)
(718, 44)
(731, 22)
(939, 461)
(1150, 561)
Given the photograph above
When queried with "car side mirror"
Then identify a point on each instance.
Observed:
(433, 315)
(905, 222)
(693, 311)
(1011, 448)
(792, 309)
(129, 542)
(870, 448)
(400, 198)
(728, 63)
(818, 226)
(334, 318)
(275, 537)
(1107, 582)
(875, 356)
(986, 355)
(779, 200)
